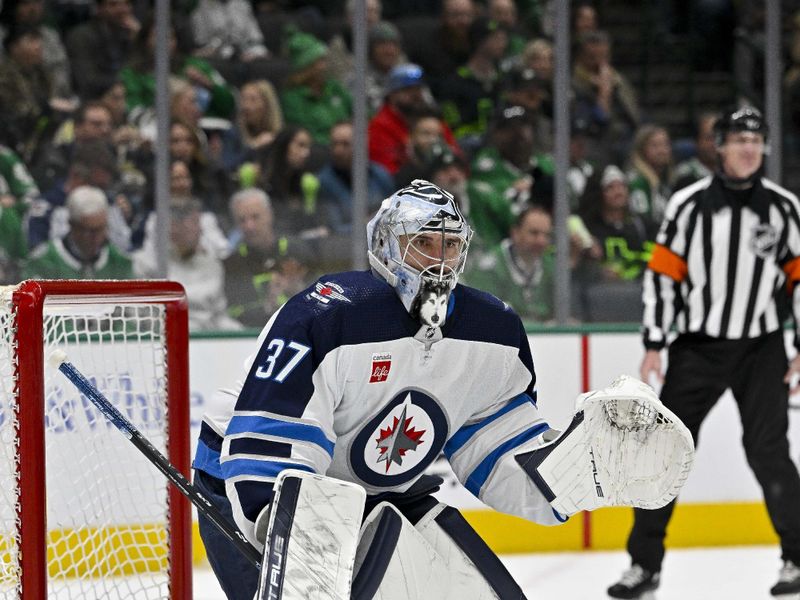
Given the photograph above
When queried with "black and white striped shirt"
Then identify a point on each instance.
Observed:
(721, 258)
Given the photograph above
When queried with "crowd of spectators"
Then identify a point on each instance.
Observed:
(261, 145)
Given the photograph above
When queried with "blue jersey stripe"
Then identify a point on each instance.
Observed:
(207, 459)
(463, 435)
(479, 476)
(293, 431)
(258, 468)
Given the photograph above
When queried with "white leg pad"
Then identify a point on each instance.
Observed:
(466, 581)
(313, 529)
(415, 570)
(424, 563)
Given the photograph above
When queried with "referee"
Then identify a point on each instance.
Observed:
(726, 255)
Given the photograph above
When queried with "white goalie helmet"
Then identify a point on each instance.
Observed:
(418, 243)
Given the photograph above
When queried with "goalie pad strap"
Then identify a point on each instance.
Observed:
(453, 523)
(382, 547)
(530, 461)
(440, 557)
(412, 567)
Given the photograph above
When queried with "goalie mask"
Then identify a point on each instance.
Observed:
(418, 243)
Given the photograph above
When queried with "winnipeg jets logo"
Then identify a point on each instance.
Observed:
(393, 442)
(765, 236)
(400, 441)
(324, 292)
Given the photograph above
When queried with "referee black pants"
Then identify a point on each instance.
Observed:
(700, 369)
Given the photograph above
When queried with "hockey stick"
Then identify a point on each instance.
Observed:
(58, 359)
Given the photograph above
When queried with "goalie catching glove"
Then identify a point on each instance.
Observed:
(623, 448)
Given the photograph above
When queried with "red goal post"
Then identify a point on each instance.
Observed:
(82, 513)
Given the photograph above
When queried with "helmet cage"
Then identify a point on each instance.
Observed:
(445, 263)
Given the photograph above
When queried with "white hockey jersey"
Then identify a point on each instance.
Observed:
(346, 384)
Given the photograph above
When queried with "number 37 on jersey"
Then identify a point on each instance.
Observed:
(281, 359)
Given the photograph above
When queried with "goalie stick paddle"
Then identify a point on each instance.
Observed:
(58, 360)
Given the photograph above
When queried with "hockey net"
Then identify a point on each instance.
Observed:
(82, 513)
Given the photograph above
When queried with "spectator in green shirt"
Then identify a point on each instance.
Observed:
(519, 270)
(705, 159)
(84, 252)
(506, 177)
(310, 97)
(12, 245)
(17, 187)
(650, 175)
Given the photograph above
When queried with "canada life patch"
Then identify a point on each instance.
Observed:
(326, 291)
(381, 363)
(400, 441)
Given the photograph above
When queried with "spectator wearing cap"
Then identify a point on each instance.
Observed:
(469, 96)
(84, 251)
(520, 268)
(336, 186)
(384, 52)
(523, 87)
(194, 265)
(311, 98)
(506, 176)
(405, 95)
(620, 233)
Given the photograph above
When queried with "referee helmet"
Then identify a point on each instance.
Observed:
(739, 119)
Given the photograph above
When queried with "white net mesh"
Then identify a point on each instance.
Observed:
(107, 506)
(9, 563)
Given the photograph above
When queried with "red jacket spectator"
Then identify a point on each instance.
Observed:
(389, 128)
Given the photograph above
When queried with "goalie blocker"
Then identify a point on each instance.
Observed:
(622, 448)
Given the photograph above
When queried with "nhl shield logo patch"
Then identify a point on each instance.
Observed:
(765, 237)
(381, 363)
